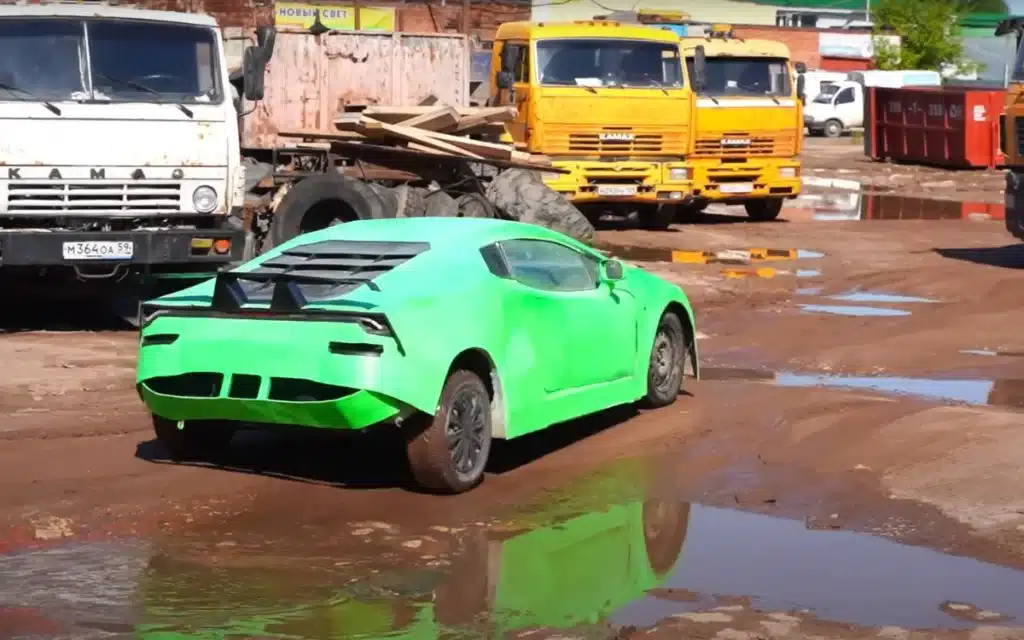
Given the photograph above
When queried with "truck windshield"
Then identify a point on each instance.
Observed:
(744, 76)
(127, 61)
(608, 63)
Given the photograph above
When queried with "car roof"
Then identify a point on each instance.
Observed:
(443, 233)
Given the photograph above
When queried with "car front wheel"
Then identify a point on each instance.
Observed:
(449, 450)
(665, 368)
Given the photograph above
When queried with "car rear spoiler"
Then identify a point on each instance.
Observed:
(287, 295)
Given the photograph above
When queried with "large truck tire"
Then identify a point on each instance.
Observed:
(474, 205)
(321, 201)
(1014, 198)
(657, 217)
(521, 195)
(439, 204)
(764, 210)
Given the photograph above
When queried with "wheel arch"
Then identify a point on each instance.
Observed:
(480, 362)
(685, 315)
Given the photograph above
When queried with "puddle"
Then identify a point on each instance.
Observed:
(1005, 392)
(809, 291)
(571, 562)
(993, 352)
(840, 310)
(831, 206)
(838, 575)
(807, 273)
(879, 297)
(725, 256)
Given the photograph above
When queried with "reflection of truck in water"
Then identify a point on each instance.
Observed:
(562, 575)
(120, 148)
(747, 125)
(608, 103)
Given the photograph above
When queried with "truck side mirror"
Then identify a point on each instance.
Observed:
(800, 67)
(801, 88)
(508, 57)
(253, 70)
(504, 80)
(265, 37)
(699, 68)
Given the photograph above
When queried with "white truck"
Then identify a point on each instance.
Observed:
(119, 147)
(839, 107)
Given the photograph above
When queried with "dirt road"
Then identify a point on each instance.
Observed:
(848, 467)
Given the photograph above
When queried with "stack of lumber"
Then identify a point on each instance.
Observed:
(432, 130)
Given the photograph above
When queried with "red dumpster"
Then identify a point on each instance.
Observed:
(941, 126)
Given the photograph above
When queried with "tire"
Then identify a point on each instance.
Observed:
(250, 250)
(474, 205)
(198, 440)
(764, 210)
(440, 205)
(319, 201)
(430, 458)
(833, 129)
(666, 363)
(521, 195)
(658, 217)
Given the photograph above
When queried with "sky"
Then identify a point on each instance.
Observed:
(1016, 6)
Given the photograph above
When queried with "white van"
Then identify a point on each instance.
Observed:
(839, 107)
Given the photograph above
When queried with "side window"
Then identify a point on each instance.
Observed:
(550, 266)
(845, 96)
(521, 69)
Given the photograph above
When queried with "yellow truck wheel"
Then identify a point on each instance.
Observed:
(764, 210)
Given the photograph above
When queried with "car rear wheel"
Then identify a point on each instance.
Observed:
(449, 450)
(833, 129)
(200, 439)
(665, 368)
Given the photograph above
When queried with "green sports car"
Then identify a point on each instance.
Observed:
(458, 330)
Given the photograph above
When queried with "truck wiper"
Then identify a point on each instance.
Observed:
(31, 96)
(142, 87)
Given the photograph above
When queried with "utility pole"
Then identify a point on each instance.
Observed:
(465, 17)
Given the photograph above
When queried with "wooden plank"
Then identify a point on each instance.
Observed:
(348, 121)
(428, 101)
(316, 134)
(487, 149)
(436, 120)
(486, 116)
(377, 129)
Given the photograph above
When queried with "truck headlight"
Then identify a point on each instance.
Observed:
(787, 172)
(678, 174)
(204, 199)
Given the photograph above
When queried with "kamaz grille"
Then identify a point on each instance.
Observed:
(1018, 124)
(737, 144)
(90, 198)
(592, 143)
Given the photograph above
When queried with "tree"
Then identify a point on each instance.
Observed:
(929, 36)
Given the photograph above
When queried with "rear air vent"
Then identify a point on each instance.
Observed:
(187, 385)
(300, 390)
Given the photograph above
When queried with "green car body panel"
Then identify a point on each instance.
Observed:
(382, 347)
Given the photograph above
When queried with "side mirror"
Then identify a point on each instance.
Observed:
(504, 80)
(612, 270)
(508, 57)
(699, 68)
(801, 88)
(265, 37)
(800, 67)
(253, 68)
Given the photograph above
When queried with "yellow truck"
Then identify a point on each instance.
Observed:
(606, 102)
(747, 123)
(1011, 134)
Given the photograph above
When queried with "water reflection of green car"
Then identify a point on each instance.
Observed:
(573, 573)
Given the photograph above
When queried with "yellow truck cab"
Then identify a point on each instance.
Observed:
(608, 103)
(1011, 134)
(748, 122)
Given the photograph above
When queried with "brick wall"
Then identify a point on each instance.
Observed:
(802, 42)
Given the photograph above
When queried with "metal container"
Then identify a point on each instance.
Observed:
(311, 78)
(941, 126)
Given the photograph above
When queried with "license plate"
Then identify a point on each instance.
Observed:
(105, 250)
(737, 187)
(616, 190)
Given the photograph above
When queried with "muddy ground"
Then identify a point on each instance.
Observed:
(848, 467)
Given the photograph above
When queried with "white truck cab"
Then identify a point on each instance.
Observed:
(839, 107)
(119, 146)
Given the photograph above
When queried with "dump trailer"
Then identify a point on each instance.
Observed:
(1011, 134)
(747, 122)
(606, 102)
(120, 150)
